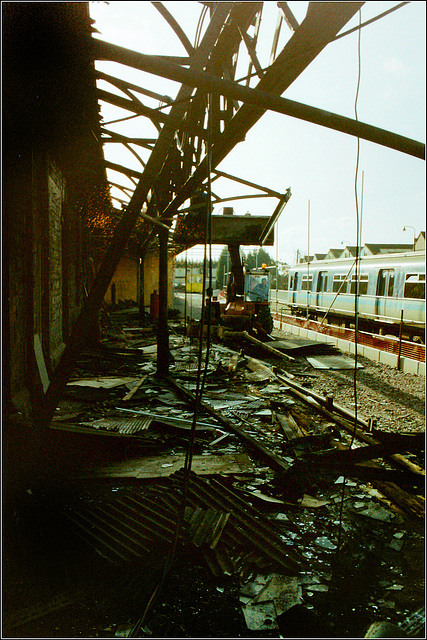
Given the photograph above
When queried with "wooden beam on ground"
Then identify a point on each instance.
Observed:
(273, 460)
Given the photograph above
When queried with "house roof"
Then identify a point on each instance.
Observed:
(388, 248)
(335, 253)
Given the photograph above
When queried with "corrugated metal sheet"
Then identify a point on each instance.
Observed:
(121, 425)
(228, 530)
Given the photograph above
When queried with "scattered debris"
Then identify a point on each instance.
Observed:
(160, 467)
(266, 512)
(332, 362)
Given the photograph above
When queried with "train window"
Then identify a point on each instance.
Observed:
(322, 281)
(414, 285)
(363, 285)
(385, 284)
(305, 279)
(339, 284)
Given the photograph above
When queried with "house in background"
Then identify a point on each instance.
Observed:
(368, 249)
(420, 241)
(378, 249)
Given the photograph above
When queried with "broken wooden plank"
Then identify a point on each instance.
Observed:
(322, 404)
(374, 451)
(273, 460)
(412, 504)
(289, 426)
(129, 395)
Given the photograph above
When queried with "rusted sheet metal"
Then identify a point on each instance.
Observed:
(206, 525)
(246, 520)
(121, 425)
(217, 520)
(125, 529)
(227, 229)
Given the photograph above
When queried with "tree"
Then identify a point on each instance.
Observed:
(222, 269)
(258, 257)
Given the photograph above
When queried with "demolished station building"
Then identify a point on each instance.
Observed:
(90, 397)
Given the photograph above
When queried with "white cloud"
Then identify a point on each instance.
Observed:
(395, 66)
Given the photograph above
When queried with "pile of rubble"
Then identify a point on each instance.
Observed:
(304, 518)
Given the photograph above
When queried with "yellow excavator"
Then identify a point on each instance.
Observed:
(247, 306)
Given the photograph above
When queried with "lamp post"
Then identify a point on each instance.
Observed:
(408, 226)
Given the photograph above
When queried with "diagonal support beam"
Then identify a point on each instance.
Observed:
(304, 46)
(274, 217)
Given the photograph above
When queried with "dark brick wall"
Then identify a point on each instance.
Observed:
(52, 159)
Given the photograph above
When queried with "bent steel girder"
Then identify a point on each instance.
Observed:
(220, 63)
(263, 100)
(175, 26)
(264, 95)
(302, 48)
(192, 135)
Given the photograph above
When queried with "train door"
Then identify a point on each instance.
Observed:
(321, 287)
(295, 287)
(385, 288)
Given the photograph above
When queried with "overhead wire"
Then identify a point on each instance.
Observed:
(365, 24)
(201, 377)
(356, 276)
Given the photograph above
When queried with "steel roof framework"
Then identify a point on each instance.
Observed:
(189, 144)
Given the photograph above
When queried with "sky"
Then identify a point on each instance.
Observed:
(319, 165)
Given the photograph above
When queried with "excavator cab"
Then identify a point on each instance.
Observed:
(257, 286)
(248, 306)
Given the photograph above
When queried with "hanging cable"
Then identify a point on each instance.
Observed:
(356, 276)
(207, 276)
(199, 389)
(358, 238)
(337, 294)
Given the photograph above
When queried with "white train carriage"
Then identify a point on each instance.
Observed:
(391, 291)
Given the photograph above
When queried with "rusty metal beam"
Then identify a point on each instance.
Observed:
(274, 218)
(110, 137)
(290, 19)
(175, 26)
(156, 116)
(129, 173)
(304, 46)
(268, 192)
(276, 79)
